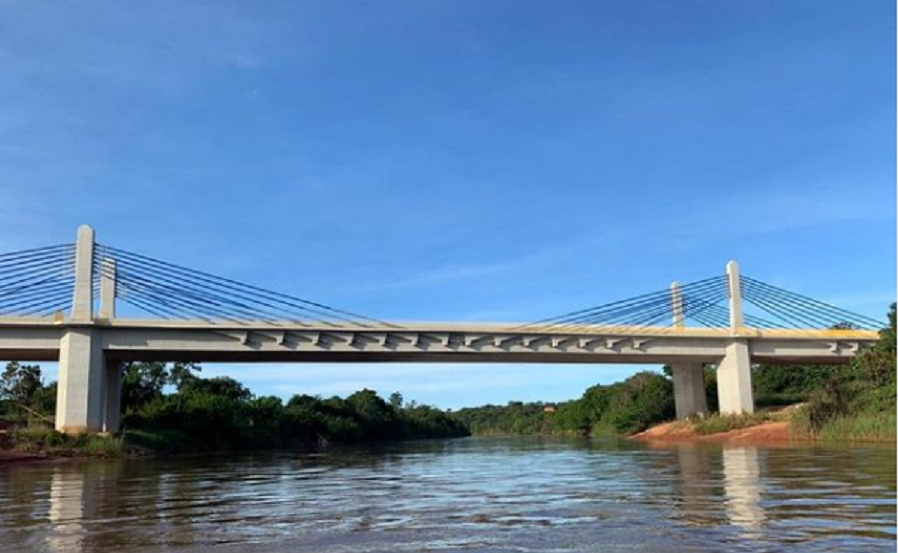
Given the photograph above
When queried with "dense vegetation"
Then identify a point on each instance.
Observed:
(620, 408)
(857, 403)
(220, 413)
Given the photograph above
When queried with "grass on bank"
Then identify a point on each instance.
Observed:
(716, 424)
(50, 442)
(862, 427)
(871, 426)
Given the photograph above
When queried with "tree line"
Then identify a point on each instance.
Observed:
(173, 407)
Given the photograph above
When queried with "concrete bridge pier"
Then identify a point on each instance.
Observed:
(112, 407)
(689, 390)
(80, 397)
(88, 398)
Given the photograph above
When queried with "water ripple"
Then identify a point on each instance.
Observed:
(473, 495)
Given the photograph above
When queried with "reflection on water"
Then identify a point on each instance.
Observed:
(66, 512)
(742, 486)
(473, 494)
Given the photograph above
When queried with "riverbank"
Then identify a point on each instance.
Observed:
(30, 445)
(763, 433)
(774, 427)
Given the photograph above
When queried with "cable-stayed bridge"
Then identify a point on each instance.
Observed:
(93, 307)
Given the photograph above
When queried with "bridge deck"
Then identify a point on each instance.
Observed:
(142, 339)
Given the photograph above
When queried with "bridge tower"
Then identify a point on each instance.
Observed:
(688, 377)
(88, 396)
(734, 370)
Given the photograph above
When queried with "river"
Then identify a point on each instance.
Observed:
(476, 494)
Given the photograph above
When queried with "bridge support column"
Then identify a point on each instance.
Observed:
(80, 398)
(734, 380)
(689, 389)
(112, 414)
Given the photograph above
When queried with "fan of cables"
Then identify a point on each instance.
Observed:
(797, 311)
(37, 282)
(698, 299)
(173, 292)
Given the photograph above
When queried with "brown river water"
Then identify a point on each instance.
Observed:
(475, 494)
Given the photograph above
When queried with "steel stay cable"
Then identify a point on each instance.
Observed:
(56, 265)
(8, 308)
(689, 302)
(37, 262)
(162, 303)
(51, 282)
(666, 299)
(254, 314)
(201, 294)
(231, 284)
(244, 295)
(751, 320)
(796, 310)
(796, 318)
(39, 292)
(124, 274)
(178, 292)
(660, 312)
(644, 299)
(811, 302)
(61, 306)
(719, 320)
(185, 306)
(178, 304)
(153, 310)
(772, 309)
(642, 319)
(667, 307)
(574, 314)
(821, 307)
(34, 251)
(23, 273)
(709, 322)
(6, 290)
(703, 302)
(722, 316)
(35, 303)
(135, 298)
(695, 305)
(830, 315)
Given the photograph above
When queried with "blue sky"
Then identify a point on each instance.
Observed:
(459, 160)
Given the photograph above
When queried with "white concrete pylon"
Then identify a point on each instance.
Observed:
(83, 295)
(676, 300)
(737, 316)
(107, 289)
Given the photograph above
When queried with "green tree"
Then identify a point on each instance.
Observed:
(19, 383)
(183, 374)
(396, 400)
(142, 383)
(21, 391)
